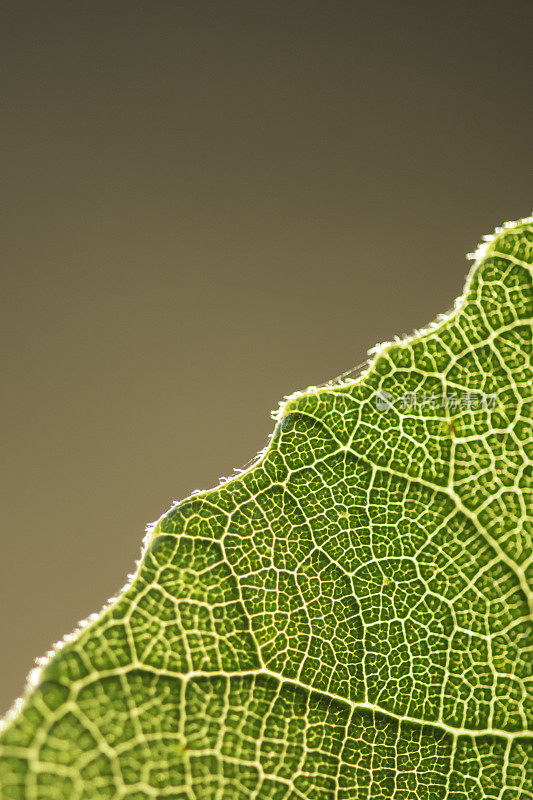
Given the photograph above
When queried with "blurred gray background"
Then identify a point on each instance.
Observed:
(207, 206)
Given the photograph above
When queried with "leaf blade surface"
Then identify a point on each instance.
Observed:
(349, 618)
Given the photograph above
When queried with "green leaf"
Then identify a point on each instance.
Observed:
(349, 618)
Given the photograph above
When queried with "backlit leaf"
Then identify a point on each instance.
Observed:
(349, 618)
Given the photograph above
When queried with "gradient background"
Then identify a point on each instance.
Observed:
(207, 206)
